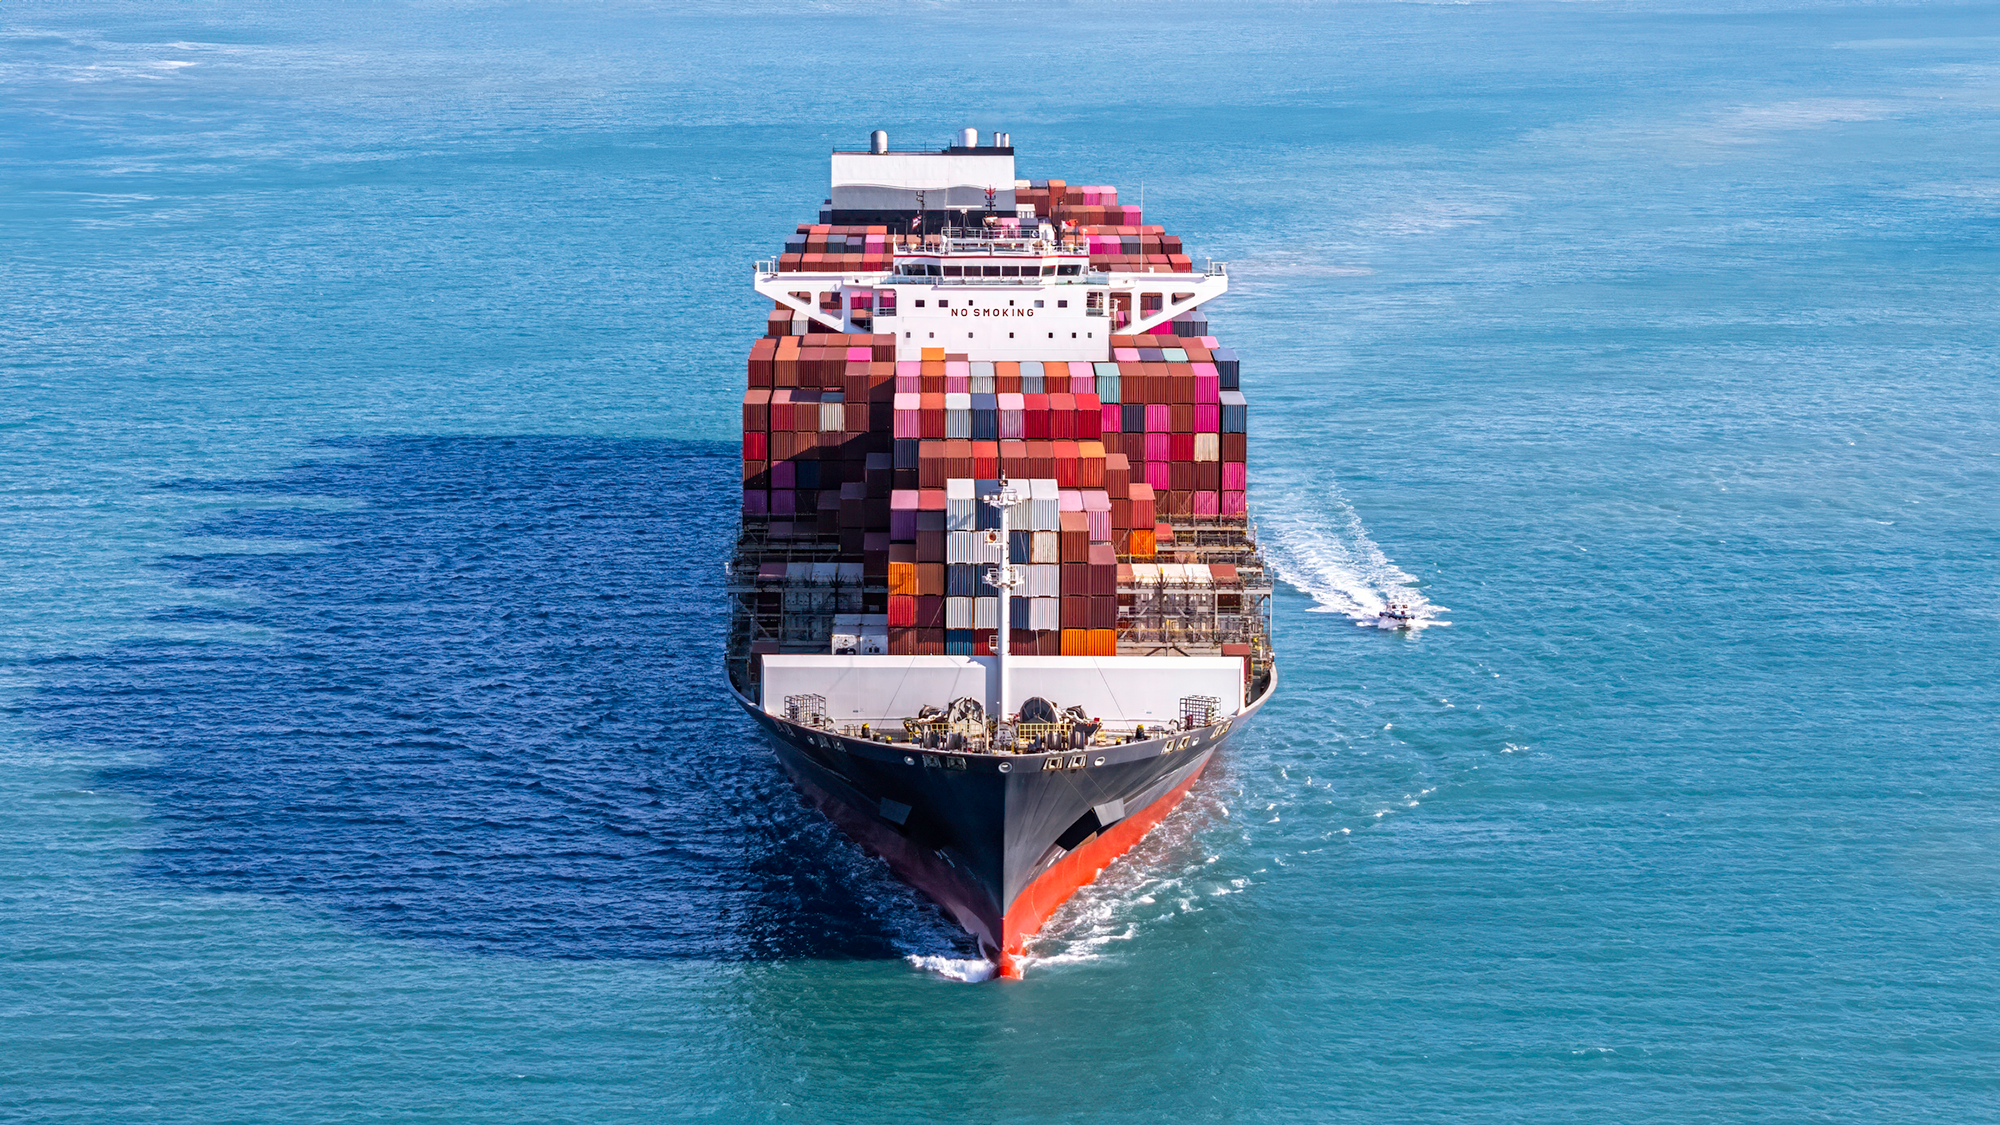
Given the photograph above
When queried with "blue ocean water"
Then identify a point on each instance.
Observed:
(369, 391)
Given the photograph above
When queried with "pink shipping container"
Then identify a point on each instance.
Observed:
(1159, 475)
(1159, 420)
(860, 355)
(957, 384)
(1109, 419)
(958, 369)
(1159, 448)
(1208, 388)
(1207, 504)
(1125, 355)
(1234, 478)
(909, 384)
(1207, 418)
(1235, 503)
(909, 416)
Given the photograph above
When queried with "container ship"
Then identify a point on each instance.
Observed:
(997, 600)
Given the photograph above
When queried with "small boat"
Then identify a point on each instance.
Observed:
(1396, 615)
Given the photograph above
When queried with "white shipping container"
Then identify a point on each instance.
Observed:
(1044, 580)
(1044, 613)
(1045, 547)
(961, 547)
(986, 613)
(1208, 447)
(961, 506)
(958, 613)
(832, 417)
(1044, 505)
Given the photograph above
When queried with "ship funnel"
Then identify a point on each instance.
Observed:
(878, 141)
(969, 139)
(999, 139)
(1006, 140)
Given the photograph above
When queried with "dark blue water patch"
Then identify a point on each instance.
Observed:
(491, 712)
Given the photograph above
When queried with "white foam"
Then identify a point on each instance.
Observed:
(970, 970)
(1320, 548)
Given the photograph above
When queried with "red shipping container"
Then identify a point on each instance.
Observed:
(1067, 469)
(1144, 512)
(1035, 417)
(1208, 475)
(1181, 446)
(1014, 458)
(1183, 418)
(1075, 538)
(1041, 459)
(1062, 416)
(756, 445)
(931, 422)
(1090, 464)
(903, 607)
(1089, 417)
(1235, 447)
(957, 457)
(1117, 474)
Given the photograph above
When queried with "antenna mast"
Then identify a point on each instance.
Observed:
(1004, 578)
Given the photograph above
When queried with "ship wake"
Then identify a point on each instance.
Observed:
(1319, 546)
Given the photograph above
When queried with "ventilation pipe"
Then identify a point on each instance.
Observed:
(878, 142)
(969, 139)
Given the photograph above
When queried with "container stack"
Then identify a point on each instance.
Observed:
(864, 478)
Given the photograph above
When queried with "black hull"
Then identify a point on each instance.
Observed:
(998, 840)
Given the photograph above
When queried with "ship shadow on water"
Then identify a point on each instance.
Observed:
(472, 695)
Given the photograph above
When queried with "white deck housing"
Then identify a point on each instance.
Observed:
(1117, 689)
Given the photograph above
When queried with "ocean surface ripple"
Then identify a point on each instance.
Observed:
(369, 381)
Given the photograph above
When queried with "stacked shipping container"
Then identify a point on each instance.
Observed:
(878, 467)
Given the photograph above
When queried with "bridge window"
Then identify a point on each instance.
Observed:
(1069, 271)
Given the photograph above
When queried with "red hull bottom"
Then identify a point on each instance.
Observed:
(1038, 900)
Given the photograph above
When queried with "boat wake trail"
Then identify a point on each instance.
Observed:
(1318, 546)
